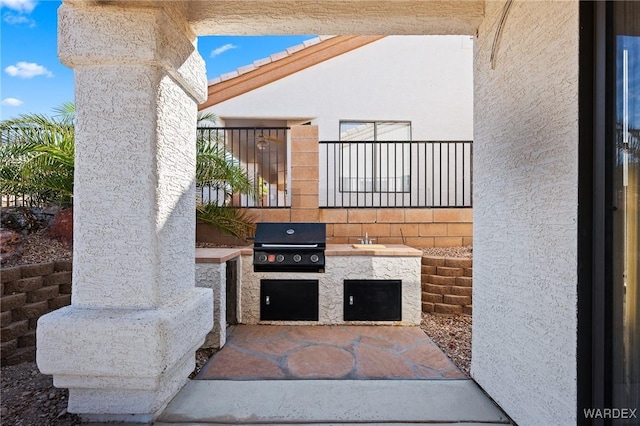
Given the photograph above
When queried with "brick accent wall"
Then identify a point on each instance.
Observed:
(446, 285)
(28, 292)
(416, 227)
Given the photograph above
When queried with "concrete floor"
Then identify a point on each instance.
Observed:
(332, 402)
(331, 375)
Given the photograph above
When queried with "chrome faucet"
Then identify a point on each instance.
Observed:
(366, 239)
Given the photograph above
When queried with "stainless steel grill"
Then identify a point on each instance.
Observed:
(289, 247)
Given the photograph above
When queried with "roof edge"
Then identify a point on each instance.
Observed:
(313, 54)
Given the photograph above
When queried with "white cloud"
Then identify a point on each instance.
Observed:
(22, 6)
(220, 50)
(27, 70)
(13, 19)
(11, 102)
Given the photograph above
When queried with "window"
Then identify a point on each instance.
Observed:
(369, 165)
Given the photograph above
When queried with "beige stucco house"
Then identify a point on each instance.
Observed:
(555, 327)
(369, 134)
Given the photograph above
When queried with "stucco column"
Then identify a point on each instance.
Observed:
(126, 344)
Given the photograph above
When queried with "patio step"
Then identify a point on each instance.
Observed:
(332, 402)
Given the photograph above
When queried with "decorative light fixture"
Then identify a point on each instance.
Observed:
(261, 143)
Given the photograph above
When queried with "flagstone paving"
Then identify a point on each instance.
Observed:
(268, 352)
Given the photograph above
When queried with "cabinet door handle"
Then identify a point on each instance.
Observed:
(267, 301)
(350, 300)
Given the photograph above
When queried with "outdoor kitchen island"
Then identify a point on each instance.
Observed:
(377, 285)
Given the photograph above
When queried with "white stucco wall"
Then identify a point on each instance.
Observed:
(331, 287)
(427, 80)
(525, 212)
(214, 276)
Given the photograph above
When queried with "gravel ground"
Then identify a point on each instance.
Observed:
(465, 252)
(452, 333)
(29, 398)
(38, 248)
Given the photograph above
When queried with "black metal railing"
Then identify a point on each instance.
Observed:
(262, 153)
(11, 136)
(20, 200)
(396, 174)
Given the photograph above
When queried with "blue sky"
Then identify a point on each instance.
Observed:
(34, 81)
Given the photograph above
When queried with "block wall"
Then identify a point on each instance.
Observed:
(28, 292)
(416, 227)
(446, 285)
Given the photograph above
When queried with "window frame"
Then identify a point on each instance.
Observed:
(374, 176)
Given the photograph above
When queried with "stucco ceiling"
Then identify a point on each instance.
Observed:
(354, 17)
(335, 17)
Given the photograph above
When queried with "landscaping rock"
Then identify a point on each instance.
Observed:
(11, 245)
(20, 219)
(61, 227)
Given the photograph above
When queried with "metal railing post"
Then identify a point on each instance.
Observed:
(385, 179)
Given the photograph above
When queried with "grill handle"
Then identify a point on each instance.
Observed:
(289, 245)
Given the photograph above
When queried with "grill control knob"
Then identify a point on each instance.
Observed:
(297, 258)
(280, 258)
(314, 258)
(262, 258)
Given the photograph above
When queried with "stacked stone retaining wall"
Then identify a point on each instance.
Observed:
(28, 292)
(446, 285)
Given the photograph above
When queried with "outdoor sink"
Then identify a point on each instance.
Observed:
(368, 246)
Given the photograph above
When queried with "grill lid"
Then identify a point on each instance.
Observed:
(284, 235)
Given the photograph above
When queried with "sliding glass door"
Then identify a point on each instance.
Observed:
(625, 241)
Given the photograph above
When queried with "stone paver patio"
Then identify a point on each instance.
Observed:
(265, 352)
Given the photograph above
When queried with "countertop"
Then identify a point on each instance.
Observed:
(394, 250)
(223, 254)
(218, 254)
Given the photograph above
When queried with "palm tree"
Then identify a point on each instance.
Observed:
(37, 158)
(218, 171)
